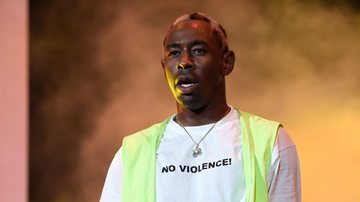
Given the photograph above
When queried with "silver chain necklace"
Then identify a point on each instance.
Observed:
(197, 150)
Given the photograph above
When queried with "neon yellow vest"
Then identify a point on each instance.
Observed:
(139, 159)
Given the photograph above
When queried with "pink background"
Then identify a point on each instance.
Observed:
(13, 101)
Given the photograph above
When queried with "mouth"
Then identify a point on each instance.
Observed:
(186, 85)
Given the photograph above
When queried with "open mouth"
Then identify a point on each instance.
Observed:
(186, 85)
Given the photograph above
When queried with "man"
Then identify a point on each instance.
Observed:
(208, 150)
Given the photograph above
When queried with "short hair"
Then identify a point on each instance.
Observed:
(218, 31)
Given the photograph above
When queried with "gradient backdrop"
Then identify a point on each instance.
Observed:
(95, 76)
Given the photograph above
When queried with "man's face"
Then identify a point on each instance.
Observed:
(193, 64)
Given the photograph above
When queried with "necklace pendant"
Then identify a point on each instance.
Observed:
(196, 151)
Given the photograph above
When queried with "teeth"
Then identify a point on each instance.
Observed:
(187, 85)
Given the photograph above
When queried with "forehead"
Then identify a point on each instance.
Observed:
(189, 31)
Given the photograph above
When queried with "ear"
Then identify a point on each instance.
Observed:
(229, 61)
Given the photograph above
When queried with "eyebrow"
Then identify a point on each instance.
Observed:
(192, 43)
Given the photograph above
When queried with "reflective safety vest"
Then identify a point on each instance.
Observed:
(139, 159)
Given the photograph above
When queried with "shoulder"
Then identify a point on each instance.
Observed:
(258, 133)
(284, 140)
(255, 120)
(146, 135)
(258, 125)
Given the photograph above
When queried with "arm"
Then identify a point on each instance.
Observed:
(112, 187)
(284, 174)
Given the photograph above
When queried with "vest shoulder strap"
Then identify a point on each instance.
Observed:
(259, 136)
(139, 164)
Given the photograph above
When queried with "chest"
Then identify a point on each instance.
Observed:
(215, 175)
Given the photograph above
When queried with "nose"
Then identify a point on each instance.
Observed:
(183, 66)
(185, 62)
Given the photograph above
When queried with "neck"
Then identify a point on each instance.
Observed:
(206, 115)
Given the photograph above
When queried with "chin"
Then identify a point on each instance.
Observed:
(191, 104)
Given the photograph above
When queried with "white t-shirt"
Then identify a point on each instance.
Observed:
(217, 174)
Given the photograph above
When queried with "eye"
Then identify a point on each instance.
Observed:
(173, 53)
(198, 52)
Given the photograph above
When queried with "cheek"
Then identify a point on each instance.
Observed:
(211, 71)
(169, 77)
